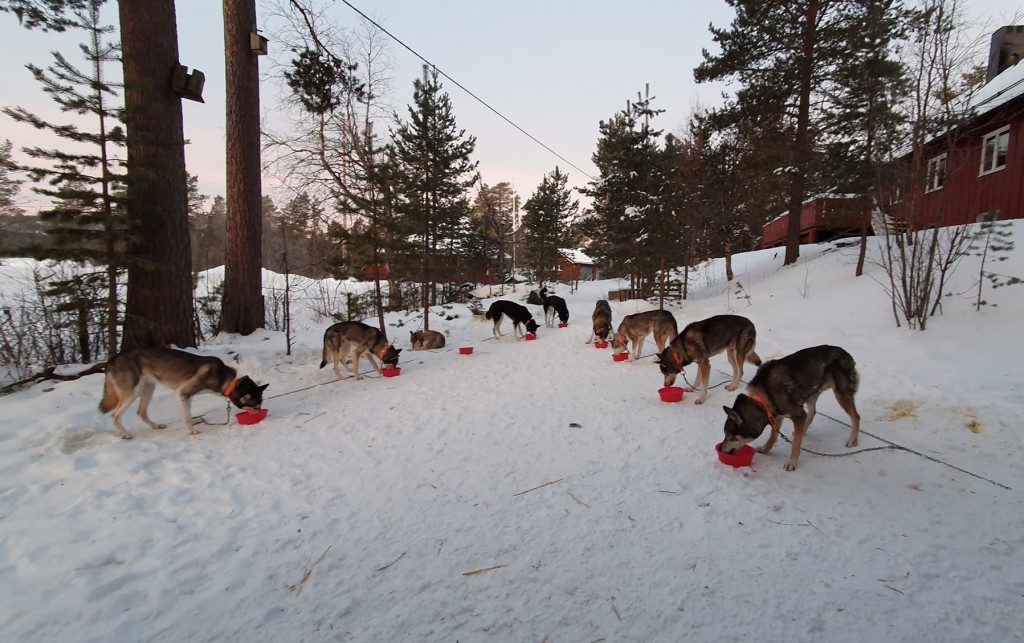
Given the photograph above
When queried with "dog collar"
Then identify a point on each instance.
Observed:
(767, 410)
(679, 362)
(231, 387)
(619, 338)
(383, 351)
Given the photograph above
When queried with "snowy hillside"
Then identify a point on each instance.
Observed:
(538, 491)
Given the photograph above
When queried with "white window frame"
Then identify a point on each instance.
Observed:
(936, 177)
(991, 145)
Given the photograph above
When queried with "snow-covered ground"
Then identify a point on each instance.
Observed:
(537, 491)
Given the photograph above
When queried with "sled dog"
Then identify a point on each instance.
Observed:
(360, 338)
(520, 315)
(135, 374)
(636, 327)
(782, 387)
(700, 341)
(553, 305)
(602, 319)
(426, 339)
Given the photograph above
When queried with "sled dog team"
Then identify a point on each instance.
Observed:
(781, 388)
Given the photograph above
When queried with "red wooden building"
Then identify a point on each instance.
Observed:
(575, 265)
(981, 176)
(822, 218)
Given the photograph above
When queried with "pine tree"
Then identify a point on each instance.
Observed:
(625, 195)
(433, 171)
(9, 186)
(788, 51)
(548, 213)
(87, 223)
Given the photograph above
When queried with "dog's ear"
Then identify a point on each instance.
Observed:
(657, 358)
(264, 387)
(397, 351)
(733, 415)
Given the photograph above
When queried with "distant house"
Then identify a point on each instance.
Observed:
(980, 177)
(822, 218)
(575, 265)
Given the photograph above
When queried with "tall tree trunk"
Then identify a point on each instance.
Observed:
(242, 310)
(802, 146)
(158, 311)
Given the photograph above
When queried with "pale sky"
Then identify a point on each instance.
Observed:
(554, 68)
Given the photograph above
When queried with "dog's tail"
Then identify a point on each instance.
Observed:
(754, 358)
(844, 373)
(110, 396)
(487, 315)
(325, 355)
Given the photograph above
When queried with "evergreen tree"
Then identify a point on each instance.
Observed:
(159, 308)
(87, 223)
(9, 186)
(492, 223)
(548, 213)
(433, 171)
(625, 206)
(788, 51)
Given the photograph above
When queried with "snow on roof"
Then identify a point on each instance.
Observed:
(575, 256)
(1000, 90)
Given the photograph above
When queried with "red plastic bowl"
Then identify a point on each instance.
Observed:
(620, 357)
(598, 344)
(530, 336)
(562, 325)
(466, 350)
(391, 372)
(251, 417)
(742, 458)
(671, 394)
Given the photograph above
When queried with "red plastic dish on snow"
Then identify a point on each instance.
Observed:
(560, 325)
(600, 344)
(620, 357)
(251, 417)
(392, 371)
(741, 458)
(671, 394)
(466, 350)
(530, 336)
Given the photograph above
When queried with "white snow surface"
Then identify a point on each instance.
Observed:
(539, 491)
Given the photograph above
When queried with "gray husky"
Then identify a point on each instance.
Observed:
(135, 374)
(360, 338)
(782, 387)
(602, 319)
(426, 339)
(636, 327)
(700, 341)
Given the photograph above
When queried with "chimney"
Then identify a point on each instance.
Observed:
(1006, 50)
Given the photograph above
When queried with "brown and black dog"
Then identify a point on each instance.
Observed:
(602, 319)
(702, 340)
(782, 387)
(636, 327)
(135, 374)
(362, 339)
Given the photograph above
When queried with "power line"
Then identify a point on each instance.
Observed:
(463, 88)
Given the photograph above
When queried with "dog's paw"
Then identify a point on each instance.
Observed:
(159, 427)
(791, 466)
(126, 436)
(691, 389)
(851, 443)
(731, 387)
(762, 449)
(699, 401)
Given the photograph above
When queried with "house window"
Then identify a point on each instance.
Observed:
(936, 173)
(994, 148)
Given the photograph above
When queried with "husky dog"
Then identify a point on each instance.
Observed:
(602, 318)
(517, 313)
(782, 387)
(553, 304)
(135, 374)
(359, 337)
(636, 327)
(700, 341)
(426, 339)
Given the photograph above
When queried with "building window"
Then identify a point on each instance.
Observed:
(936, 173)
(994, 148)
